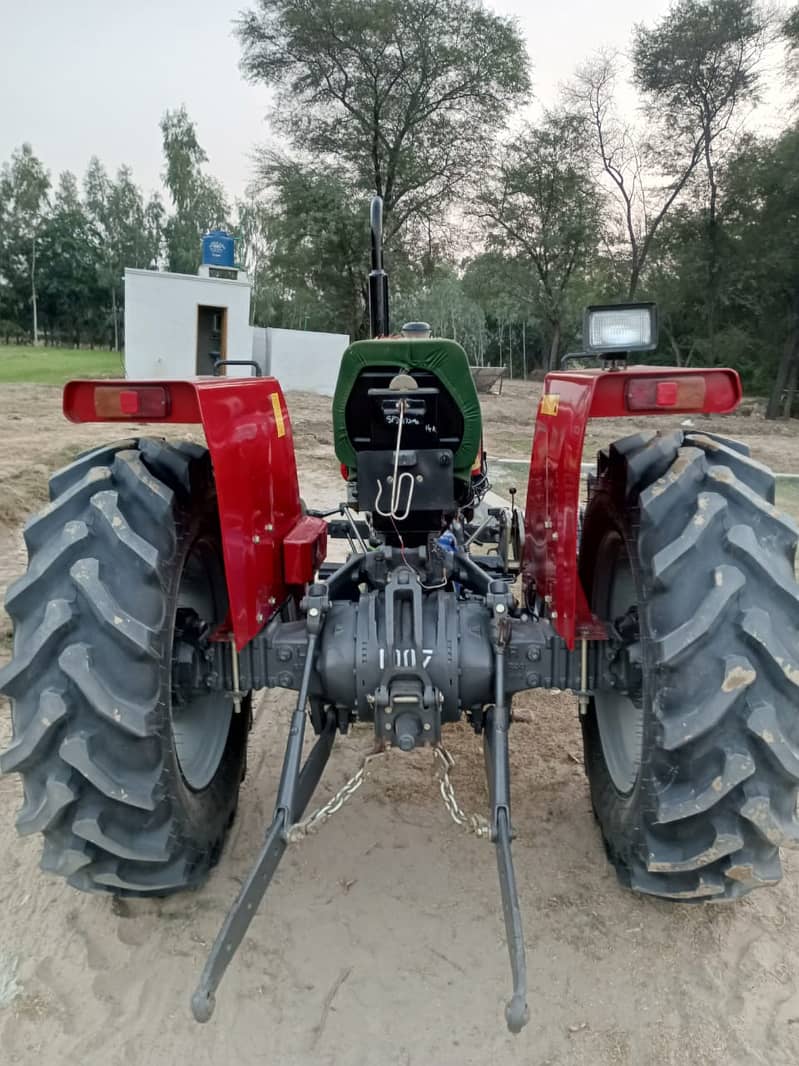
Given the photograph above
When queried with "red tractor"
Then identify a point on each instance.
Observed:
(167, 582)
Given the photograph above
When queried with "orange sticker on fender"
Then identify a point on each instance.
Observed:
(550, 402)
(279, 423)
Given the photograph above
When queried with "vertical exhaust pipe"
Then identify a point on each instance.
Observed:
(378, 278)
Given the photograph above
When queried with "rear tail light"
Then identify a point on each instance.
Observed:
(662, 394)
(130, 403)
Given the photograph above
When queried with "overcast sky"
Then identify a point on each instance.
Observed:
(95, 76)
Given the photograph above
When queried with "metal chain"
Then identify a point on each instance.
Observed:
(475, 823)
(300, 830)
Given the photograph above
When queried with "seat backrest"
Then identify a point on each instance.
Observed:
(378, 360)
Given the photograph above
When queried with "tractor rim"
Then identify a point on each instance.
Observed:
(200, 719)
(620, 718)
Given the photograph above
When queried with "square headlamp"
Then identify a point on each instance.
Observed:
(620, 328)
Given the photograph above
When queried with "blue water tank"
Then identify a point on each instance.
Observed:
(219, 249)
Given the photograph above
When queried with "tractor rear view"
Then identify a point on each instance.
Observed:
(168, 582)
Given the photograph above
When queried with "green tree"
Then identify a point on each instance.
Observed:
(252, 228)
(126, 232)
(676, 280)
(68, 265)
(540, 204)
(406, 96)
(761, 216)
(788, 30)
(506, 288)
(696, 69)
(318, 238)
(198, 200)
(24, 187)
(438, 297)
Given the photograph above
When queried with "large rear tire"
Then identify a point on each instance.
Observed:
(694, 768)
(132, 791)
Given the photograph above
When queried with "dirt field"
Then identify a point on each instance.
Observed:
(381, 941)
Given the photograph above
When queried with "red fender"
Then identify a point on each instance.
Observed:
(248, 432)
(570, 398)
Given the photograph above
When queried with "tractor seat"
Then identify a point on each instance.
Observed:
(441, 372)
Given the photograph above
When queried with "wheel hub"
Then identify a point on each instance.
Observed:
(191, 656)
(200, 714)
(618, 700)
(624, 668)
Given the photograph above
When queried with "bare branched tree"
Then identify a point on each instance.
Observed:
(644, 195)
(696, 70)
(693, 70)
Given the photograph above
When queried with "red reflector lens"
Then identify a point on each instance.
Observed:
(344, 470)
(666, 394)
(129, 401)
(139, 401)
(653, 394)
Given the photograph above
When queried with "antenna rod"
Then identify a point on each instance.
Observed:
(378, 278)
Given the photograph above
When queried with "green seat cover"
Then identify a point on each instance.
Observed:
(444, 358)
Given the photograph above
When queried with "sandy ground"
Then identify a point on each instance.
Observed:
(381, 940)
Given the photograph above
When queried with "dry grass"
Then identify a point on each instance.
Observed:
(24, 489)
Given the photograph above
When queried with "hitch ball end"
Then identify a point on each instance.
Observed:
(517, 1013)
(202, 1005)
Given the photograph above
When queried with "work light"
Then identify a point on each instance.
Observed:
(621, 328)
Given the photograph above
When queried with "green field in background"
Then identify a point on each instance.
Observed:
(54, 366)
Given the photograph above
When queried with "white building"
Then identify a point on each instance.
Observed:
(178, 325)
(300, 359)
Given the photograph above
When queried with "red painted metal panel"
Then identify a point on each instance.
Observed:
(722, 390)
(570, 398)
(553, 497)
(248, 432)
(304, 550)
